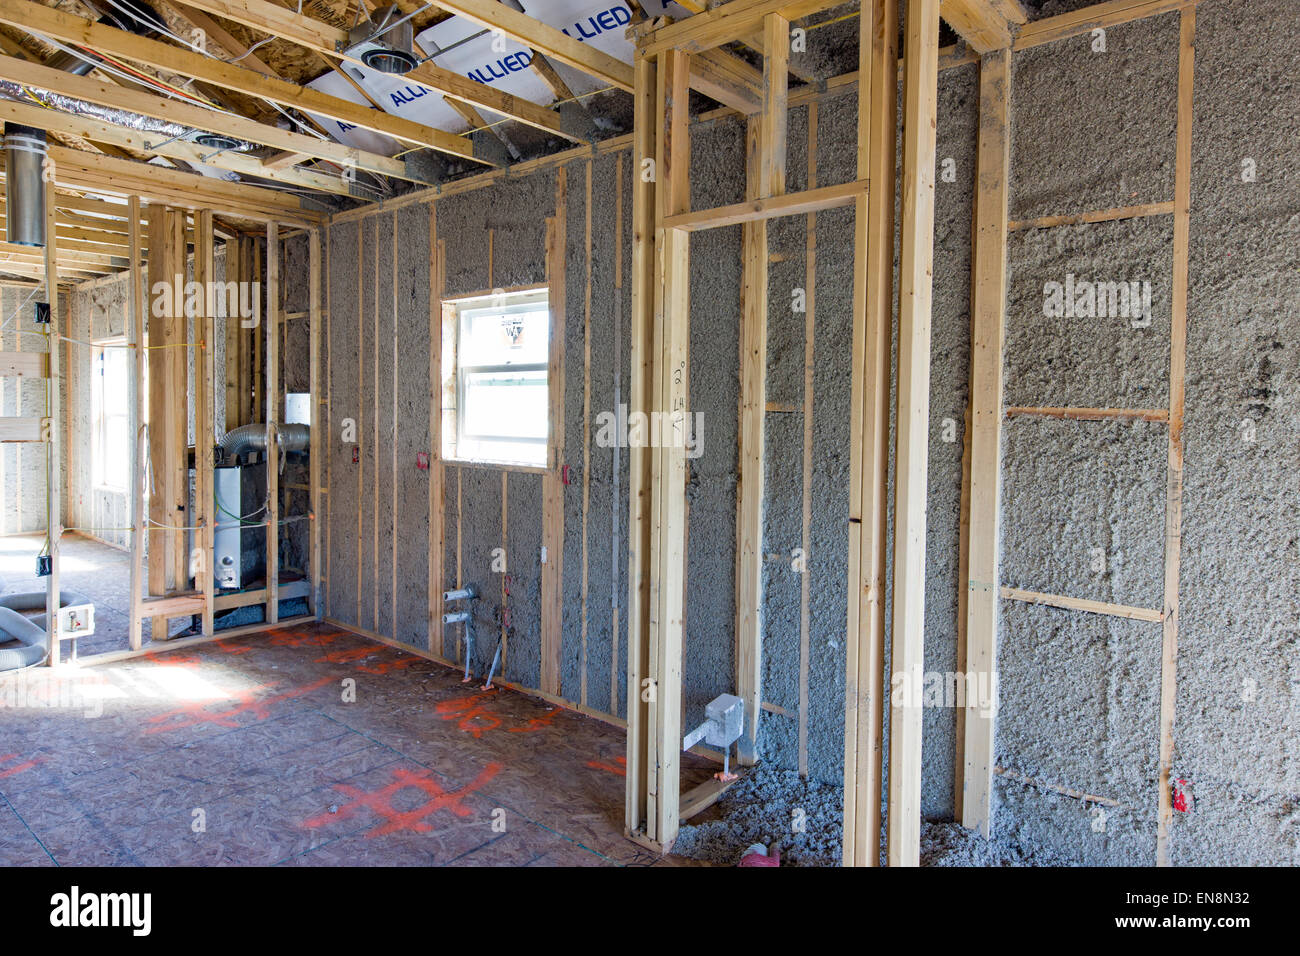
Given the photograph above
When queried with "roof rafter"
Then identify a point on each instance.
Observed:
(175, 111)
(164, 56)
(545, 39)
(322, 37)
(985, 25)
(98, 131)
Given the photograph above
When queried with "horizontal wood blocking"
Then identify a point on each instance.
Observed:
(704, 31)
(1081, 604)
(18, 364)
(1091, 414)
(700, 798)
(1098, 215)
(984, 24)
(755, 210)
(172, 605)
(20, 429)
(1089, 18)
(1064, 791)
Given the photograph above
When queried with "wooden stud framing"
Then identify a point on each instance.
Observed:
(321, 439)
(1177, 397)
(168, 419)
(323, 610)
(916, 257)
(272, 408)
(615, 577)
(234, 339)
(553, 480)
(139, 449)
(869, 430)
(53, 435)
(586, 428)
(392, 438)
(765, 179)
(437, 470)
(988, 319)
(805, 537)
(668, 464)
(360, 418)
(373, 563)
(204, 401)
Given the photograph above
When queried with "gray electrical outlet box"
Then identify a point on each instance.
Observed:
(725, 715)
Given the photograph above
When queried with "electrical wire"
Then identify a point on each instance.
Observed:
(21, 304)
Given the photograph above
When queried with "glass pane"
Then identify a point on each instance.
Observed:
(117, 454)
(503, 452)
(505, 336)
(505, 405)
(116, 381)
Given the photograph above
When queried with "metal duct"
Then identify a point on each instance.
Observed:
(246, 438)
(386, 42)
(25, 184)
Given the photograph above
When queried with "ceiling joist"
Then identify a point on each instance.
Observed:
(164, 56)
(985, 25)
(331, 41)
(198, 117)
(122, 177)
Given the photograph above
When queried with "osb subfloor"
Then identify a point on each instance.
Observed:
(252, 751)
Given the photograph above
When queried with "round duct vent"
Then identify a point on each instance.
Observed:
(389, 61)
(217, 141)
(389, 45)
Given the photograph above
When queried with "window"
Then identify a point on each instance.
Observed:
(110, 395)
(496, 399)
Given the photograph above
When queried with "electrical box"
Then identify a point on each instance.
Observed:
(77, 620)
(725, 715)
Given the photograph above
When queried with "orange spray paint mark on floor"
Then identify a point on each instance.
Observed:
(192, 715)
(171, 659)
(380, 802)
(396, 659)
(300, 639)
(387, 667)
(619, 766)
(538, 723)
(349, 656)
(16, 768)
(470, 713)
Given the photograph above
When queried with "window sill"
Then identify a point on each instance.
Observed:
(497, 466)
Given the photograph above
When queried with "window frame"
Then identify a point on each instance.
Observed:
(457, 314)
(100, 418)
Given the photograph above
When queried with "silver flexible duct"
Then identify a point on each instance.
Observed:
(246, 438)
